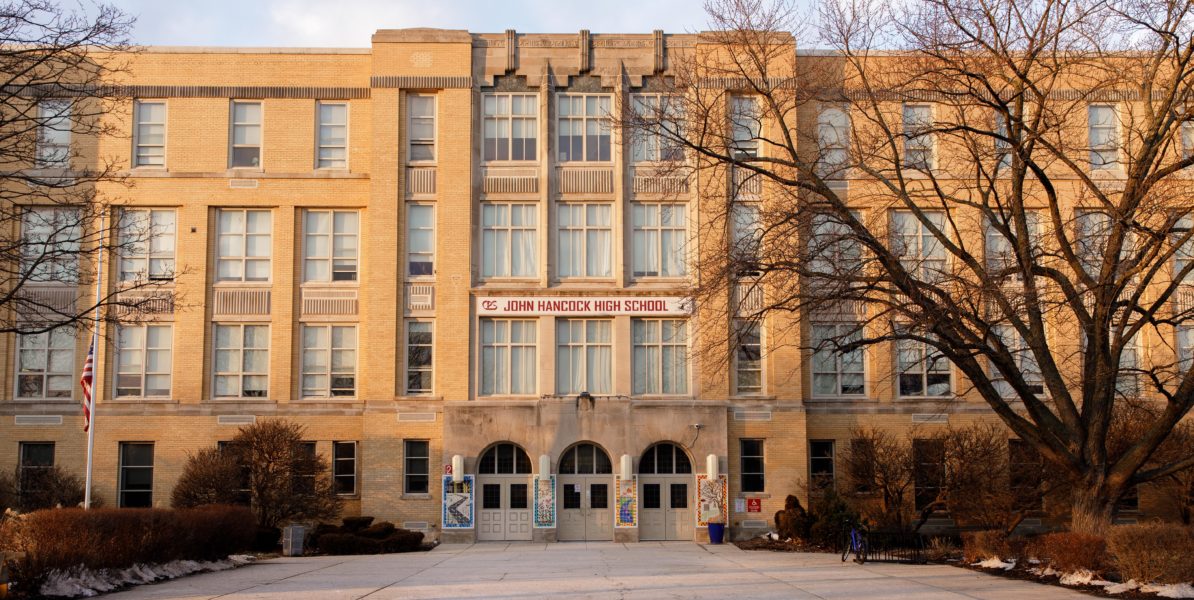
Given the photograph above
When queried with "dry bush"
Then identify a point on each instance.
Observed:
(210, 476)
(1153, 553)
(978, 546)
(1069, 551)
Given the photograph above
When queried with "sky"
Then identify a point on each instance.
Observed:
(350, 23)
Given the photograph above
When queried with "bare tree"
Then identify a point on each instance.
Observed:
(995, 189)
(57, 100)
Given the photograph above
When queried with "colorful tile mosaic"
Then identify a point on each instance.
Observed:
(627, 502)
(545, 501)
(712, 499)
(458, 503)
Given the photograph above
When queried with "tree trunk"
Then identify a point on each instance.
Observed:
(1091, 510)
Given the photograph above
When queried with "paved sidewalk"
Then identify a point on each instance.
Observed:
(589, 570)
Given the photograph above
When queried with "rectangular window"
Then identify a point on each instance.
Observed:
(746, 126)
(748, 357)
(1187, 140)
(143, 360)
(246, 135)
(329, 361)
(147, 244)
(242, 361)
(421, 111)
(921, 253)
(658, 119)
(1026, 475)
(820, 464)
(136, 475)
(584, 356)
(510, 124)
(660, 356)
(1003, 145)
(332, 152)
(1093, 230)
(46, 364)
(1025, 361)
(416, 461)
(928, 457)
(243, 245)
(585, 240)
(509, 240)
(918, 137)
(837, 368)
(1000, 241)
(149, 133)
(344, 467)
(1103, 123)
(924, 372)
(50, 242)
(419, 357)
(752, 471)
(659, 236)
(1183, 240)
(508, 356)
(584, 127)
(36, 462)
(833, 249)
(1185, 347)
(330, 245)
(746, 237)
(833, 142)
(53, 134)
(420, 240)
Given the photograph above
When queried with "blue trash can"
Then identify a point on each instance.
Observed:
(717, 533)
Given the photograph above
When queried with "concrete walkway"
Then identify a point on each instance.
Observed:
(589, 570)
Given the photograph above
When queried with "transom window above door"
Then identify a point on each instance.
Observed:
(665, 458)
(504, 459)
(585, 459)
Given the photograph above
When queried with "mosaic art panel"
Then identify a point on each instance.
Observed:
(545, 501)
(712, 499)
(627, 502)
(458, 503)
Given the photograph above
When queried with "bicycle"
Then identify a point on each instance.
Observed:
(856, 545)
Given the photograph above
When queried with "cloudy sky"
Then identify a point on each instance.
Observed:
(349, 23)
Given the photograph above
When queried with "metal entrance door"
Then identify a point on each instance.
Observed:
(665, 508)
(505, 509)
(586, 508)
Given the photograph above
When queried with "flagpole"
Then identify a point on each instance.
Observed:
(95, 371)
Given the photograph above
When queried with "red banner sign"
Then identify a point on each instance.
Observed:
(583, 305)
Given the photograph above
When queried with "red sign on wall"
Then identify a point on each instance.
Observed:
(754, 505)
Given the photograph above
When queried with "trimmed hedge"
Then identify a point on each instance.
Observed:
(359, 535)
(1067, 551)
(1153, 552)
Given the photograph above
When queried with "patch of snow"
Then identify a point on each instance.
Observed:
(1034, 561)
(771, 535)
(1084, 577)
(995, 563)
(1045, 572)
(1121, 588)
(83, 582)
(1173, 590)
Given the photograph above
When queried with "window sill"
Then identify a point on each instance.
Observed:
(510, 163)
(860, 398)
(141, 400)
(241, 284)
(327, 284)
(421, 164)
(327, 399)
(764, 495)
(563, 164)
(415, 497)
(235, 172)
(71, 401)
(238, 399)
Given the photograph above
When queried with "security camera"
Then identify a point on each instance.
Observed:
(697, 426)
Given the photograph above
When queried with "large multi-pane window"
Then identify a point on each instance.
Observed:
(508, 361)
(746, 127)
(344, 467)
(332, 152)
(136, 475)
(1001, 249)
(53, 134)
(746, 236)
(659, 235)
(928, 457)
(583, 127)
(921, 253)
(421, 112)
(242, 361)
(149, 133)
(1103, 132)
(838, 369)
(1185, 347)
(751, 465)
(510, 124)
(1025, 362)
(833, 142)
(833, 249)
(420, 240)
(243, 245)
(330, 245)
(46, 364)
(147, 244)
(924, 372)
(50, 239)
(143, 360)
(585, 239)
(584, 356)
(1093, 230)
(820, 464)
(329, 361)
(918, 137)
(36, 462)
(419, 357)
(748, 357)
(660, 356)
(661, 118)
(509, 240)
(1183, 239)
(416, 463)
(245, 150)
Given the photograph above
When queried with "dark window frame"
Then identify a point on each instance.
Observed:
(415, 481)
(752, 480)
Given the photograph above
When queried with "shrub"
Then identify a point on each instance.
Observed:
(351, 524)
(830, 519)
(378, 531)
(347, 543)
(941, 549)
(1068, 551)
(978, 546)
(210, 476)
(42, 488)
(792, 522)
(403, 540)
(1153, 553)
(266, 539)
(374, 539)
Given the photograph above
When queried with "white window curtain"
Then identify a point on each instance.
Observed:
(660, 356)
(584, 356)
(509, 240)
(585, 240)
(508, 356)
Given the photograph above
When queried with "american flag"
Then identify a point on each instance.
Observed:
(85, 382)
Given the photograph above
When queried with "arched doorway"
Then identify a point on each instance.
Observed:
(504, 483)
(586, 480)
(666, 486)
